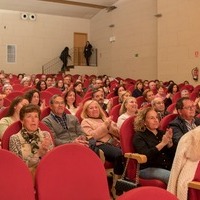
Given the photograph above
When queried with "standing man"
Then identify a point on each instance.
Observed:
(88, 52)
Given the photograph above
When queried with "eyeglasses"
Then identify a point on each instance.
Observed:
(189, 107)
(59, 103)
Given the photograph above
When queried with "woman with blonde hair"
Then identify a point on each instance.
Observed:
(106, 133)
(157, 145)
(128, 108)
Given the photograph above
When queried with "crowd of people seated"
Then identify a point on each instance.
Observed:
(98, 106)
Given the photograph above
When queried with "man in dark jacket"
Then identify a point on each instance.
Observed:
(186, 120)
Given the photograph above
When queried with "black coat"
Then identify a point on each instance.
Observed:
(88, 50)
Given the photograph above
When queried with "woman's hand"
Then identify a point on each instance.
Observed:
(108, 122)
(167, 138)
(45, 146)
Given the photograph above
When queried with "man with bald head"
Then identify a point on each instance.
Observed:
(158, 104)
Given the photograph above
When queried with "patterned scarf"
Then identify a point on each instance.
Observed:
(31, 138)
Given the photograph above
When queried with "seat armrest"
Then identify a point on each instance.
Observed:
(136, 156)
(194, 185)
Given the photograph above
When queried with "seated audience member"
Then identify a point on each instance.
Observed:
(98, 95)
(43, 77)
(20, 76)
(25, 81)
(161, 92)
(148, 96)
(186, 82)
(152, 85)
(78, 88)
(41, 85)
(30, 143)
(145, 84)
(98, 83)
(13, 113)
(33, 96)
(6, 89)
(49, 82)
(106, 86)
(92, 83)
(1, 102)
(119, 90)
(70, 101)
(185, 93)
(159, 106)
(172, 89)
(128, 108)
(124, 95)
(106, 133)
(155, 144)
(60, 85)
(138, 91)
(64, 127)
(186, 120)
(185, 164)
(68, 82)
(197, 103)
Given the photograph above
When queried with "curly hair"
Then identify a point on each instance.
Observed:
(139, 122)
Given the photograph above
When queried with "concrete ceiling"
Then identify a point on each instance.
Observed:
(73, 8)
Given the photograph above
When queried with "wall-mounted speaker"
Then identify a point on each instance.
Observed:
(32, 16)
(24, 16)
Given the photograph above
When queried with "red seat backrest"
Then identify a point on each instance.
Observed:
(59, 172)
(16, 180)
(166, 120)
(114, 112)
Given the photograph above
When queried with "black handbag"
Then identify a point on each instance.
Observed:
(124, 184)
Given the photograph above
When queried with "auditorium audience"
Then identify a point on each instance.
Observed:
(78, 88)
(26, 81)
(30, 143)
(68, 82)
(64, 127)
(70, 101)
(41, 85)
(148, 96)
(49, 82)
(124, 95)
(6, 89)
(128, 108)
(161, 92)
(13, 113)
(138, 91)
(106, 133)
(172, 89)
(159, 106)
(186, 120)
(99, 96)
(185, 93)
(60, 85)
(33, 96)
(155, 144)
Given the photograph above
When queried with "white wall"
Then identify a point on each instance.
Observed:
(178, 39)
(37, 41)
(135, 30)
